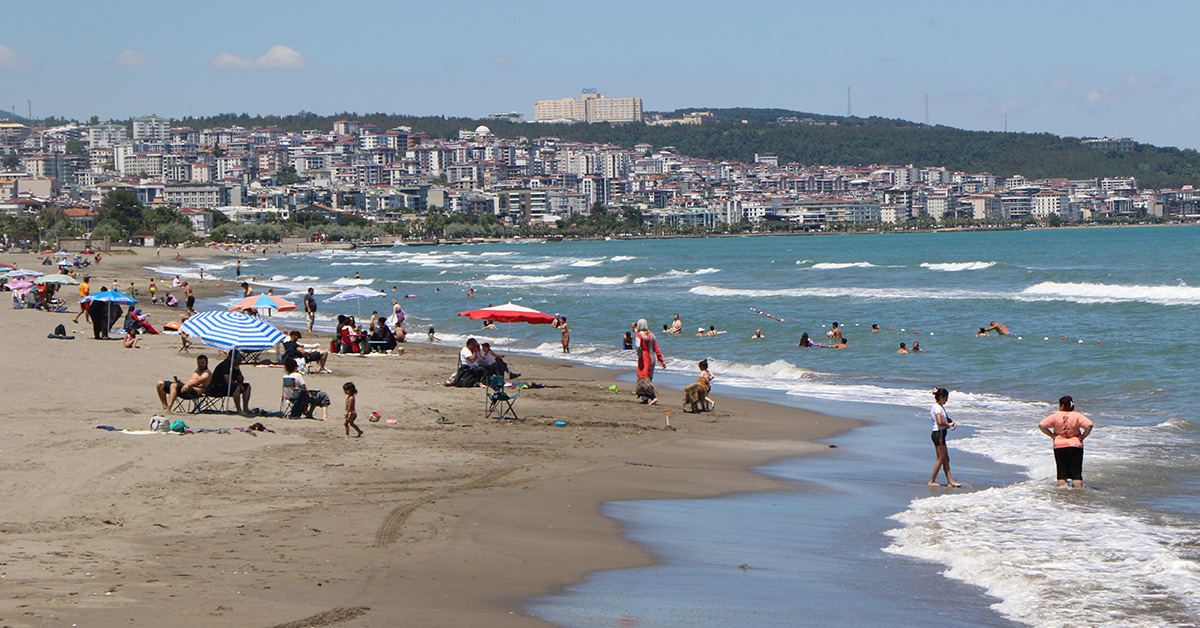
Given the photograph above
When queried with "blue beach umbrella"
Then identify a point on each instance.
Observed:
(229, 331)
(358, 292)
(20, 273)
(110, 296)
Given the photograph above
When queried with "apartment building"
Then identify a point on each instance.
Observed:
(197, 195)
(151, 128)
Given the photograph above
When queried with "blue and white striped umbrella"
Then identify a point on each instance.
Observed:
(232, 330)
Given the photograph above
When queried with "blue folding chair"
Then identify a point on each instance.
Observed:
(498, 399)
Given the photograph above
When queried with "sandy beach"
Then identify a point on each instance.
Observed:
(417, 523)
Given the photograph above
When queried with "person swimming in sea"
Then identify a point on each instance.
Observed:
(997, 327)
(902, 349)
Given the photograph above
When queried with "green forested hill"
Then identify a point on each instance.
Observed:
(853, 141)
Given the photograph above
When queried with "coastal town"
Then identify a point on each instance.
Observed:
(394, 179)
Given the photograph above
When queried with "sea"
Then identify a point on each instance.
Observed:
(1110, 316)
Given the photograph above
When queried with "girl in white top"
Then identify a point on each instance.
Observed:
(941, 424)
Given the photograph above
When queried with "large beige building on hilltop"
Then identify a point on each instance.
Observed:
(591, 107)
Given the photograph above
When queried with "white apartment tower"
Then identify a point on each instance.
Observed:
(151, 128)
(590, 107)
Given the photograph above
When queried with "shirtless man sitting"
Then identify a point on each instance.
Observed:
(171, 389)
(997, 327)
(676, 326)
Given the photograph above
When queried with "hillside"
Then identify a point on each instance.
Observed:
(853, 141)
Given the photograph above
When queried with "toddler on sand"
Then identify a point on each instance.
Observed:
(351, 413)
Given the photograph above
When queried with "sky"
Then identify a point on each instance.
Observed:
(1094, 69)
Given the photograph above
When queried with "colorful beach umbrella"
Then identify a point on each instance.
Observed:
(110, 296)
(510, 313)
(232, 330)
(263, 302)
(20, 284)
(62, 280)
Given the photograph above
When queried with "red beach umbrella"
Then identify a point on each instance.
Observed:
(510, 313)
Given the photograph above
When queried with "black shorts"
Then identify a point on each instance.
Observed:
(939, 437)
(191, 393)
(1069, 461)
(190, 302)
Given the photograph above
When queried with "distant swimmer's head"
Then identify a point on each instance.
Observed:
(641, 325)
(835, 324)
(941, 394)
(700, 330)
(1066, 403)
(902, 345)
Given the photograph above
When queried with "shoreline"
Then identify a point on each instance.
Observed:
(426, 524)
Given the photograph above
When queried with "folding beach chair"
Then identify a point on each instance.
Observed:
(216, 402)
(292, 393)
(498, 399)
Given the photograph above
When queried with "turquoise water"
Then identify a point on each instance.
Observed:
(1108, 316)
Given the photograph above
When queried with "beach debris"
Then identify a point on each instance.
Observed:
(667, 412)
(560, 424)
(375, 416)
(444, 421)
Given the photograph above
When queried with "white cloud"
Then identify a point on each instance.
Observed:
(278, 57)
(1129, 86)
(131, 59)
(10, 60)
(1059, 83)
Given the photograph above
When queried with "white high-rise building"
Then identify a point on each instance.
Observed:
(591, 107)
(151, 128)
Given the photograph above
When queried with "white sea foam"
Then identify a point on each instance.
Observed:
(1054, 560)
(606, 281)
(587, 263)
(830, 292)
(840, 265)
(305, 278)
(500, 278)
(350, 281)
(951, 267)
(677, 274)
(1111, 293)
(623, 258)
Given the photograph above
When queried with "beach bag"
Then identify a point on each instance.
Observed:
(179, 427)
(160, 424)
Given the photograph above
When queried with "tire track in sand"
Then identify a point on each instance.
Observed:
(389, 530)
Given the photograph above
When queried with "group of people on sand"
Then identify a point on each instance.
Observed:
(1067, 428)
(227, 380)
(476, 362)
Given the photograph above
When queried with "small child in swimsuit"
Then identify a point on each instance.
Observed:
(351, 412)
